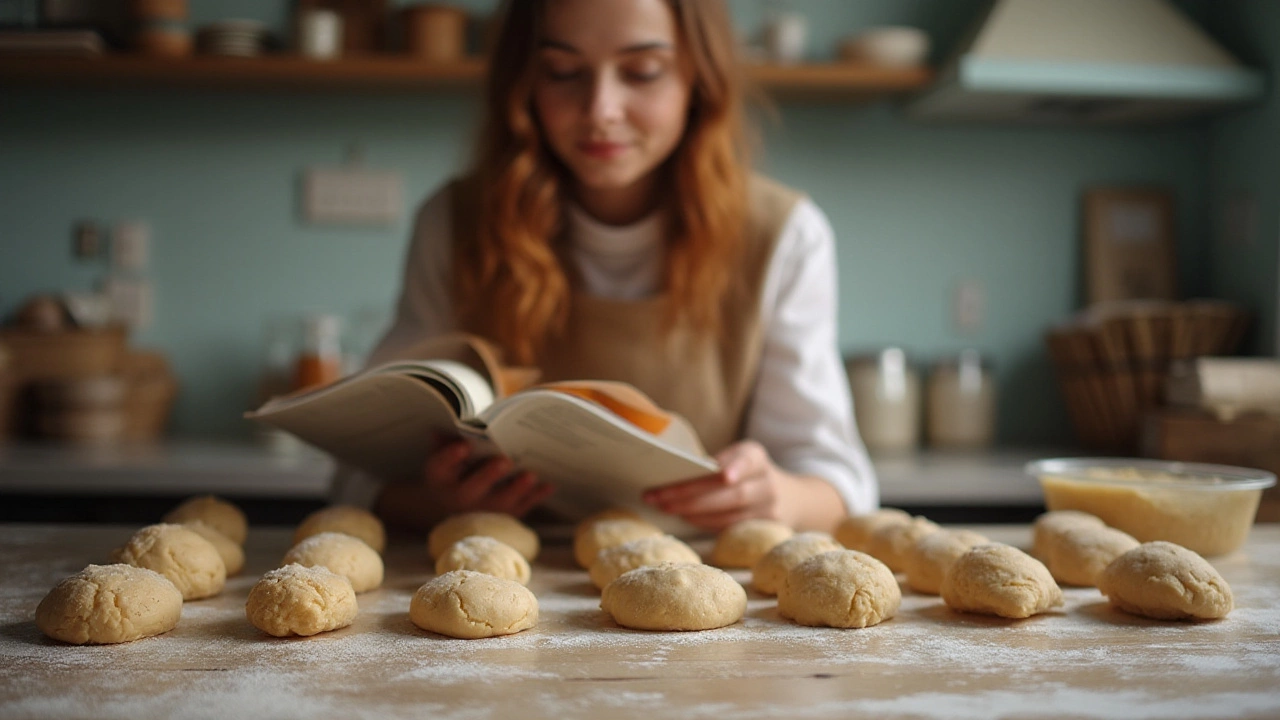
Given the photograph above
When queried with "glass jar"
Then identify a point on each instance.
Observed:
(961, 403)
(320, 359)
(886, 400)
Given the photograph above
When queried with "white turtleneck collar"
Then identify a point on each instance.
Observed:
(619, 262)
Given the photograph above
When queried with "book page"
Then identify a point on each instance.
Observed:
(385, 424)
(592, 457)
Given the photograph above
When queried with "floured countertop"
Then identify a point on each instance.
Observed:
(1085, 660)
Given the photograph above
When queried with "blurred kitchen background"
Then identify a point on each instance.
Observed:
(1037, 256)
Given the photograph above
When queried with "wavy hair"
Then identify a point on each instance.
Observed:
(512, 284)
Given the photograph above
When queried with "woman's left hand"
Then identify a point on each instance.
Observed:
(749, 486)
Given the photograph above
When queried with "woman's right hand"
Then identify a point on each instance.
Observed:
(458, 481)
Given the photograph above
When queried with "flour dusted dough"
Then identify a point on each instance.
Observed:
(340, 553)
(607, 533)
(232, 554)
(484, 555)
(215, 512)
(177, 552)
(1051, 524)
(1077, 555)
(105, 604)
(1165, 581)
(768, 574)
(498, 526)
(854, 531)
(354, 521)
(742, 544)
(927, 561)
(840, 589)
(614, 561)
(613, 513)
(890, 542)
(297, 600)
(466, 604)
(1000, 580)
(674, 597)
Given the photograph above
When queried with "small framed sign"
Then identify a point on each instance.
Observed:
(1129, 249)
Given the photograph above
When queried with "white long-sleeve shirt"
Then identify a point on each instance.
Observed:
(800, 410)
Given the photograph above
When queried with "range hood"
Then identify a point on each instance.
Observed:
(1087, 61)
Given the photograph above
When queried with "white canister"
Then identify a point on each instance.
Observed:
(319, 34)
(886, 400)
(785, 37)
(961, 403)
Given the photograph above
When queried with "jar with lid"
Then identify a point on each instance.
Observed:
(320, 359)
(886, 400)
(961, 402)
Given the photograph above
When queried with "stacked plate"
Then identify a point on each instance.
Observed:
(235, 38)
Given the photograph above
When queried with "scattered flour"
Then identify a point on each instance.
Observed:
(577, 662)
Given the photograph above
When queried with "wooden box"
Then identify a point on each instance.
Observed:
(1251, 440)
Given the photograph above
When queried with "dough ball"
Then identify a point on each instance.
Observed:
(177, 552)
(854, 531)
(1167, 582)
(891, 541)
(214, 512)
(674, 597)
(297, 600)
(613, 513)
(927, 561)
(466, 604)
(482, 554)
(841, 589)
(742, 544)
(232, 554)
(614, 561)
(498, 526)
(354, 521)
(105, 604)
(1054, 523)
(342, 554)
(606, 534)
(768, 574)
(1000, 580)
(1079, 554)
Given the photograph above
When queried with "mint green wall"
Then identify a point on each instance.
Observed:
(1245, 151)
(917, 208)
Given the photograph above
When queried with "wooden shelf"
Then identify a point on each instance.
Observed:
(837, 81)
(371, 73)
(390, 73)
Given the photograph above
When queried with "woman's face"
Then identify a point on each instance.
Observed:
(610, 93)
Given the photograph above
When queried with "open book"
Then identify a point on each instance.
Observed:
(599, 443)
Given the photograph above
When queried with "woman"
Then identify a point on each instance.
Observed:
(611, 229)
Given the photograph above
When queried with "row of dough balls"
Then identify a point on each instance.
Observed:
(188, 556)
(336, 555)
(1158, 580)
(479, 590)
(650, 580)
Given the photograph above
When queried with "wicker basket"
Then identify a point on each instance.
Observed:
(1112, 361)
(37, 355)
(149, 398)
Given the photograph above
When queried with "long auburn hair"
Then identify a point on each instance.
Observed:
(511, 282)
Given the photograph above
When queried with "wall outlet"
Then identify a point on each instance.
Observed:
(351, 196)
(967, 306)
